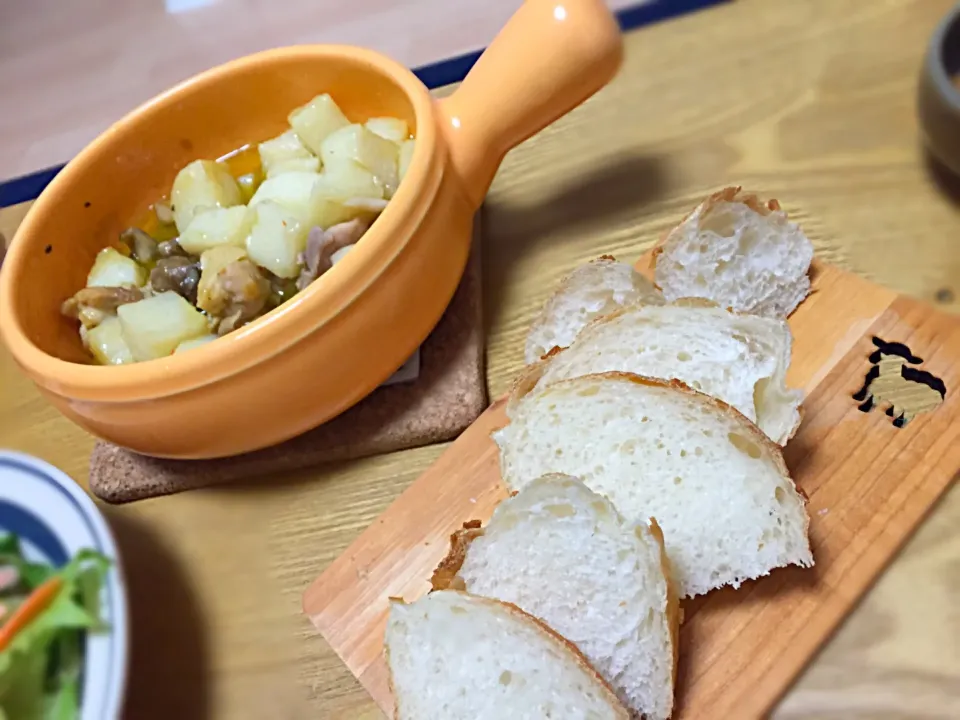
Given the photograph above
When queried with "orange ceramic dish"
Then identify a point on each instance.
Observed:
(332, 344)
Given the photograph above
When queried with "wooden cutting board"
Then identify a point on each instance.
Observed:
(869, 482)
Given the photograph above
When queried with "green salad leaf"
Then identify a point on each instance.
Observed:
(40, 668)
(32, 574)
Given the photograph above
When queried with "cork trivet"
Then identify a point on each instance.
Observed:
(447, 396)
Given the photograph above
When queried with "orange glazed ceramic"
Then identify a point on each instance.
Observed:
(332, 344)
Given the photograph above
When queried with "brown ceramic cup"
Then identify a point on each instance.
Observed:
(939, 92)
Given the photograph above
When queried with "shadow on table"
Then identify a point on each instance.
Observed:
(619, 189)
(168, 658)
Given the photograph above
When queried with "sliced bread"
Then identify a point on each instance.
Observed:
(562, 553)
(739, 252)
(716, 485)
(456, 656)
(739, 358)
(590, 291)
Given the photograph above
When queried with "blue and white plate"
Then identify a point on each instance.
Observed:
(54, 518)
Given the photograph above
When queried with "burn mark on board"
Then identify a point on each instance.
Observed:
(907, 391)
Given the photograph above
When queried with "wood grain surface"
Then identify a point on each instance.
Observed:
(869, 484)
(68, 70)
(812, 101)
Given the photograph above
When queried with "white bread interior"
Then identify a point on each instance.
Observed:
(565, 555)
(455, 656)
(739, 252)
(716, 484)
(738, 358)
(590, 291)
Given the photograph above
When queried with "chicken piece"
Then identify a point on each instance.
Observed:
(322, 244)
(179, 274)
(230, 323)
(92, 304)
(237, 294)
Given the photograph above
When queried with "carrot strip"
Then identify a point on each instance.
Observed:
(36, 603)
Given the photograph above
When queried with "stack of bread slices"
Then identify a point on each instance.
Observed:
(644, 457)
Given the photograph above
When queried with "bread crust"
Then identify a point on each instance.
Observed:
(445, 575)
(510, 608)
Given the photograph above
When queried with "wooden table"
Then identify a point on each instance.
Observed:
(812, 101)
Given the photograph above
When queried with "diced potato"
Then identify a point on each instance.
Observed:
(112, 269)
(367, 149)
(337, 186)
(331, 211)
(316, 120)
(291, 190)
(282, 149)
(201, 185)
(220, 226)
(155, 326)
(373, 205)
(106, 343)
(217, 258)
(406, 153)
(195, 343)
(212, 261)
(347, 180)
(310, 165)
(277, 239)
(392, 129)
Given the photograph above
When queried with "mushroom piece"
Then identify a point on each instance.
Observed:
(102, 298)
(179, 274)
(142, 246)
(170, 248)
(93, 304)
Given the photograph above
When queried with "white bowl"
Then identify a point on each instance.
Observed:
(54, 518)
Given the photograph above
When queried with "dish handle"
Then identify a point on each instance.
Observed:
(550, 57)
